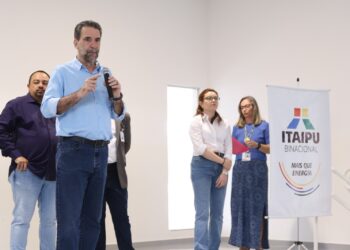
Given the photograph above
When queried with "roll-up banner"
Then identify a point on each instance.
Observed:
(300, 155)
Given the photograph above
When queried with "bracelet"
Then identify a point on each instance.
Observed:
(259, 145)
(224, 172)
(118, 98)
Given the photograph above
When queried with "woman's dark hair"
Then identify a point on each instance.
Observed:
(200, 109)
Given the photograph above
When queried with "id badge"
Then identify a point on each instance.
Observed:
(246, 156)
(122, 138)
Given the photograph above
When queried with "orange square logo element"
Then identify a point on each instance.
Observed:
(297, 112)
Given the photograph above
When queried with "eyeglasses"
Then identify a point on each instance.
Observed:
(246, 106)
(212, 98)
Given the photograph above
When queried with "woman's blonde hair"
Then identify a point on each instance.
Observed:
(256, 113)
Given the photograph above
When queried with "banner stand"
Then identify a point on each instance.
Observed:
(300, 170)
(298, 243)
(316, 233)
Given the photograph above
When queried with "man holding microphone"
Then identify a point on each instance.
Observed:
(78, 97)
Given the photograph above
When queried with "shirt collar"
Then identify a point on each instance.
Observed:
(79, 66)
(30, 99)
(205, 117)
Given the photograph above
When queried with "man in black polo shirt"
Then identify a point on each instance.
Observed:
(29, 139)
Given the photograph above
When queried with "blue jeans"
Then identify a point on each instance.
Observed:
(208, 202)
(27, 189)
(81, 176)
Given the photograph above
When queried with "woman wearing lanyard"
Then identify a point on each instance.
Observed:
(249, 179)
(212, 146)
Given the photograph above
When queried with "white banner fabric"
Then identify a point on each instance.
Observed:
(300, 157)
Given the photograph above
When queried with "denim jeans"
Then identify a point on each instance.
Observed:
(208, 202)
(27, 190)
(81, 176)
(117, 199)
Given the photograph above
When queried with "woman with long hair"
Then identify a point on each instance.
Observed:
(212, 152)
(249, 179)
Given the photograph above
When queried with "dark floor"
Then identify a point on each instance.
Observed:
(187, 244)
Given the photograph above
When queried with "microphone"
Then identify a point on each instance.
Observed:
(109, 88)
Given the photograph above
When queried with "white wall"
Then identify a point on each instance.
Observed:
(147, 45)
(255, 43)
(237, 46)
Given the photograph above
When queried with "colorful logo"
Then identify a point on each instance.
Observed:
(305, 118)
(302, 175)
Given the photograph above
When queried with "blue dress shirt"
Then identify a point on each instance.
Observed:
(260, 133)
(90, 117)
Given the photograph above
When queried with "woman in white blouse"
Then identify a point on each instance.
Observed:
(212, 152)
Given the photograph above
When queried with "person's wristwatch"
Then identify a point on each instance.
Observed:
(259, 145)
(224, 172)
(118, 98)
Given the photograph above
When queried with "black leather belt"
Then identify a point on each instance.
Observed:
(82, 140)
(220, 154)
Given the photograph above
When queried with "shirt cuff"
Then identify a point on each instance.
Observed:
(118, 117)
(228, 155)
(15, 154)
(49, 108)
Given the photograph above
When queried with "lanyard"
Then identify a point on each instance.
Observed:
(247, 135)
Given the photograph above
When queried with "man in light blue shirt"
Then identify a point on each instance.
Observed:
(77, 95)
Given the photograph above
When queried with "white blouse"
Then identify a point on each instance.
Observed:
(214, 136)
(112, 146)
